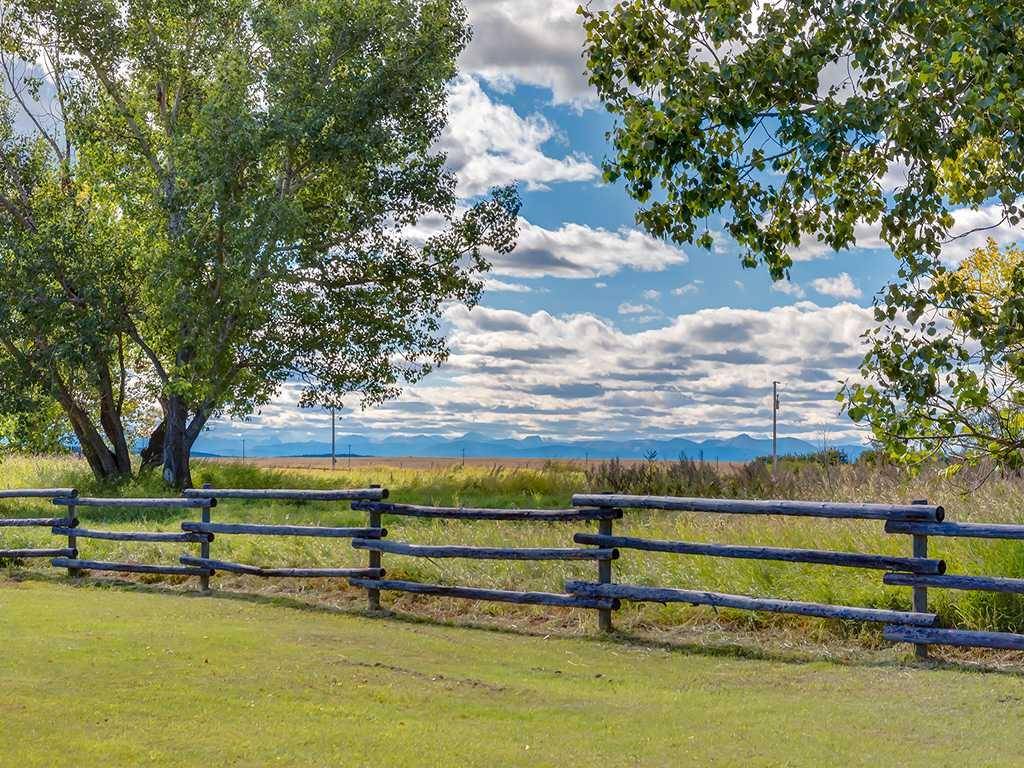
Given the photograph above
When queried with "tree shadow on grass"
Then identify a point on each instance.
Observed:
(717, 647)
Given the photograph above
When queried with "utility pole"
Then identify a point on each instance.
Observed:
(334, 455)
(350, 455)
(243, 450)
(775, 427)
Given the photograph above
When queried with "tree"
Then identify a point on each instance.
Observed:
(33, 424)
(273, 162)
(946, 380)
(834, 124)
(61, 339)
(787, 117)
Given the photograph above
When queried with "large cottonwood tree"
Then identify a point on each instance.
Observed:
(269, 160)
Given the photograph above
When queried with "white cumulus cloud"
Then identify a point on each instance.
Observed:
(500, 286)
(579, 251)
(490, 144)
(628, 308)
(533, 42)
(840, 287)
(689, 288)
(789, 288)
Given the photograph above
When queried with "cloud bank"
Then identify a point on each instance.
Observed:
(706, 373)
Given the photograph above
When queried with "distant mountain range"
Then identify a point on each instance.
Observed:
(738, 448)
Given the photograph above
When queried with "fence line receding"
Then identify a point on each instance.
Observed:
(918, 571)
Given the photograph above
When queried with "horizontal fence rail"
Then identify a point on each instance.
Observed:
(272, 494)
(254, 570)
(918, 571)
(603, 515)
(815, 556)
(150, 536)
(77, 565)
(970, 583)
(719, 600)
(136, 503)
(830, 509)
(99, 565)
(259, 529)
(920, 532)
(36, 493)
(497, 595)
(38, 522)
(957, 637)
(26, 554)
(474, 513)
(373, 531)
(958, 530)
(485, 553)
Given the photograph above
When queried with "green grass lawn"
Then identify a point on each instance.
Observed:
(130, 677)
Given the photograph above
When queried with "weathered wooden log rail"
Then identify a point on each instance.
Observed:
(780, 554)
(497, 595)
(485, 553)
(475, 513)
(604, 515)
(150, 536)
(742, 602)
(69, 522)
(259, 529)
(373, 531)
(920, 532)
(255, 570)
(76, 566)
(374, 493)
(37, 493)
(919, 520)
(919, 564)
(835, 510)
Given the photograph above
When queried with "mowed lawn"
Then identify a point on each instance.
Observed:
(121, 677)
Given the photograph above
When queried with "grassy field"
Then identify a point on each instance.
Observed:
(143, 676)
(551, 485)
(422, 462)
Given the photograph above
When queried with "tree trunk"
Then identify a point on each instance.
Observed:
(153, 453)
(177, 448)
(110, 420)
(101, 459)
(98, 462)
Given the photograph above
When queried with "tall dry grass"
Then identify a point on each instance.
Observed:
(998, 500)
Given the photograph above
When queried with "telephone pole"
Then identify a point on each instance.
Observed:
(775, 427)
(334, 455)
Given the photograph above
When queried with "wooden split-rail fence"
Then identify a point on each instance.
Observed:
(918, 571)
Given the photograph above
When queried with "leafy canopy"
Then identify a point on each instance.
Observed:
(63, 344)
(946, 379)
(273, 162)
(786, 117)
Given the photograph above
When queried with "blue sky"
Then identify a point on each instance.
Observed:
(592, 328)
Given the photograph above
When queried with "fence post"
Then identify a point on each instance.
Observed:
(920, 549)
(73, 573)
(204, 547)
(373, 595)
(604, 576)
